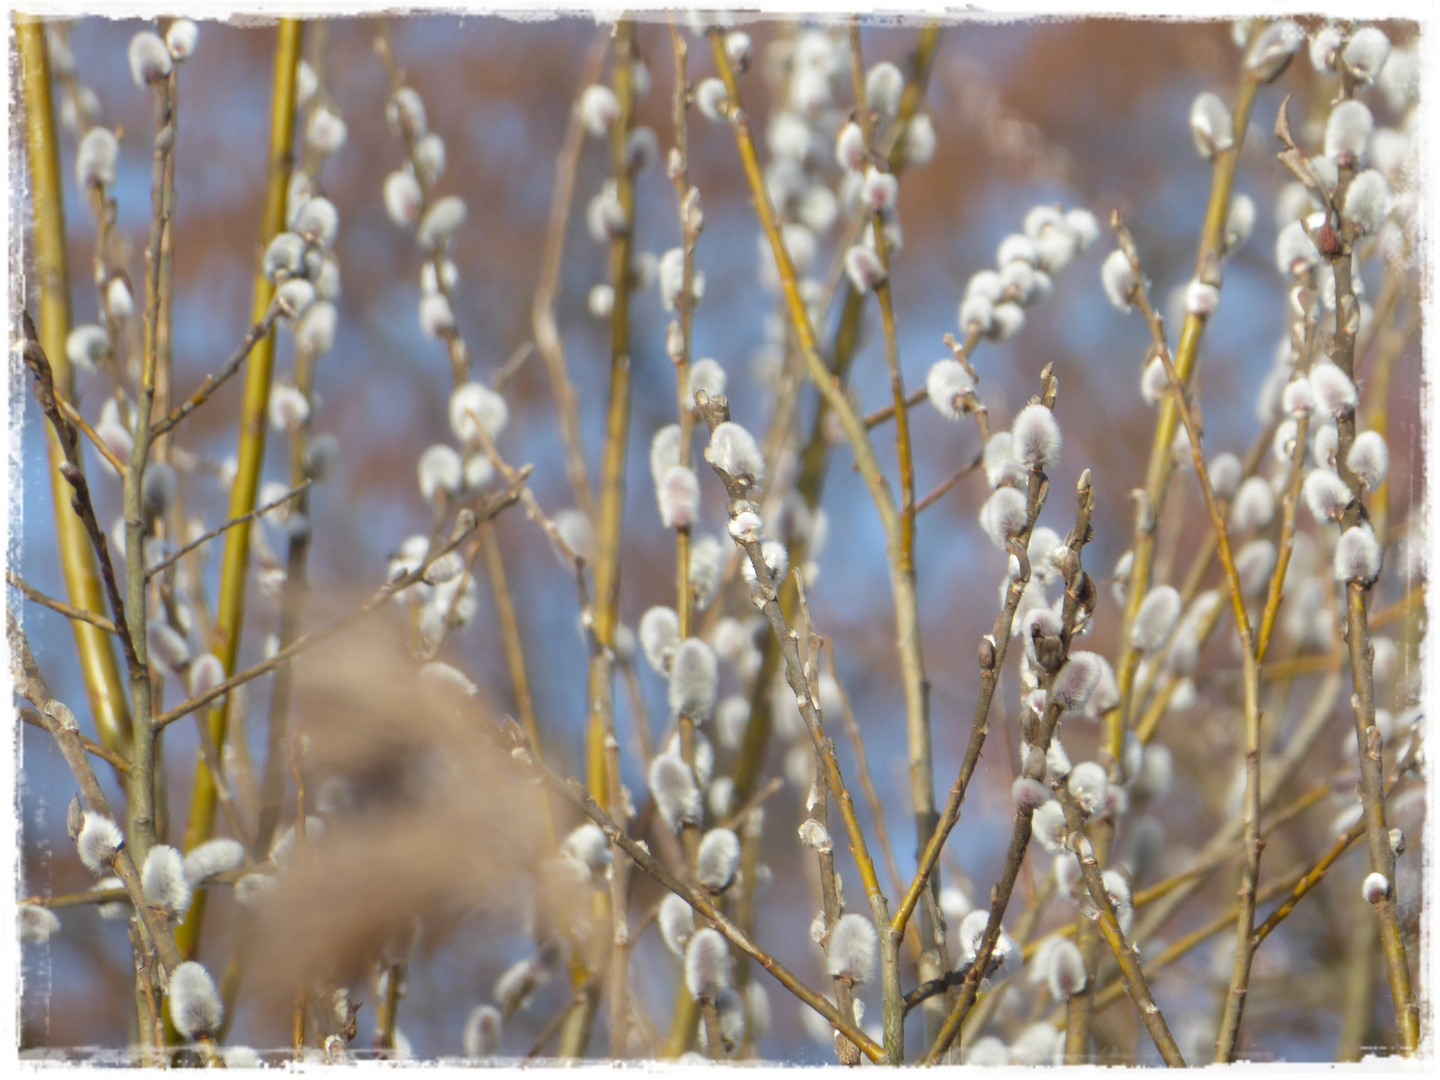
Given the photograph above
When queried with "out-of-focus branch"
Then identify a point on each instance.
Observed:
(235, 563)
(83, 586)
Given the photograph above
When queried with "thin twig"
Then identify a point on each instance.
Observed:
(1109, 926)
(32, 593)
(220, 530)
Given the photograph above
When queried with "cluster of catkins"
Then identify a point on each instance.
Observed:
(448, 475)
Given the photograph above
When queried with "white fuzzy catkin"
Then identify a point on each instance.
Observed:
(850, 150)
(213, 857)
(1117, 889)
(287, 408)
(1211, 126)
(1002, 467)
(1367, 202)
(707, 965)
(677, 923)
(1325, 46)
(402, 197)
(1076, 681)
(864, 268)
(86, 346)
(1254, 505)
(678, 496)
(1366, 52)
(165, 882)
(587, 845)
(946, 384)
(1028, 794)
(717, 859)
(712, 99)
(440, 223)
(481, 1037)
(1065, 974)
(919, 141)
(1201, 298)
(1036, 437)
(1003, 515)
(705, 374)
(195, 1006)
(884, 85)
(673, 786)
(474, 407)
(707, 561)
(977, 313)
(664, 452)
(1254, 564)
(694, 680)
(814, 835)
(1347, 132)
(1369, 459)
(326, 131)
(97, 157)
(168, 646)
(1239, 223)
(440, 471)
(851, 951)
(181, 39)
(660, 637)
(1274, 49)
(1006, 320)
(317, 221)
(1326, 495)
(1047, 825)
(1088, 783)
(1357, 556)
(1295, 252)
(1039, 1044)
(1118, 277)
(1225, 473)
(879, 190)
(437, 317)
(734, 451)
(599, 109)
(37, 923)
(1375, 888)
(150, 60)
(294, 297)
(1156, 618)
(315, 333)
(1298, 398)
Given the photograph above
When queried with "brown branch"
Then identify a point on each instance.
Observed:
(32, 593)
